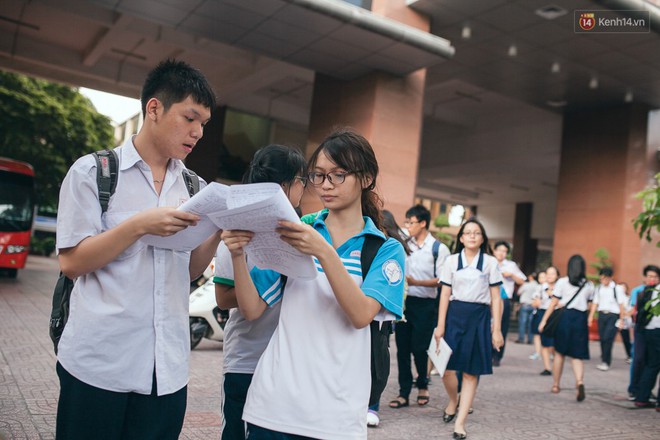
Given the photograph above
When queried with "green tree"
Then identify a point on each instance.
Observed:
(649, 219)
(49, 126)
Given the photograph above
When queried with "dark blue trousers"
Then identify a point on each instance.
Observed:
(412, 338)
(87, 412)
(638, 361)
(506, 319)
(651, 369)
(259, 433)
(235, 388)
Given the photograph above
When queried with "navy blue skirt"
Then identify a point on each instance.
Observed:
(536, 320)
(467, 332)
(572, 336)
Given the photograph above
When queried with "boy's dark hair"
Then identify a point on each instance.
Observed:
(275, 163)
(422, 214)
(502, 243)
(173, 81)
(606, 272)
(651, 268)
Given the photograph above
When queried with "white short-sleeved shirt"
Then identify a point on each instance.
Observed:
(508, 283)
(527, 292)
(542, 294)
(132, 313)
(419, 265)
(654, 323)
(244, 341)
(609, 297)
(564, 291)
(314, 378)
(470, 282)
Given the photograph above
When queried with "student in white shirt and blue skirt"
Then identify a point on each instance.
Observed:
(572, 335)
(470, 296)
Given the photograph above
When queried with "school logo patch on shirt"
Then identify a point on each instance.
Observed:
(393, 273)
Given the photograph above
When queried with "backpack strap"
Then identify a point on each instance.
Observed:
(370, 248)
(191, 180)
(107, 166)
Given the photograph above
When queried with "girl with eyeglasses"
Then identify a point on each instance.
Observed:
(469, 298)
(314, 377)
(244, 340)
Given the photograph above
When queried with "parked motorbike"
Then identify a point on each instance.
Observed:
(207, 320)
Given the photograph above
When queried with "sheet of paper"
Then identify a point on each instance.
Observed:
(211, 198)
(258, 207)
(440, 357)
(185, 240)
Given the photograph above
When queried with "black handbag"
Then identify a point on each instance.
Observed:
(552, 323)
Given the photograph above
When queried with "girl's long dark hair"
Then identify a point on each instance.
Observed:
(392, 229)
(352, 152)
(485, 248)
(275, 163)
(576, 270)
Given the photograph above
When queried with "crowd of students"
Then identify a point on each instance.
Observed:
(300, 355)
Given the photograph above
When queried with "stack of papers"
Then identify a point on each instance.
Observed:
(256, 207)
(439, 356)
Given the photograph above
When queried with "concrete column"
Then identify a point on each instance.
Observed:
(524, 247)
(605, 161)
(385, 109)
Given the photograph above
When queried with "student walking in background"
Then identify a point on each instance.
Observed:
(511, 275)
(470, 296)
(626, 323)
(547, 342)
(414, 334)
(572, 336)
(244, 340)
(609, 301)
(313, 379)
(536, 302)
(651, 279)
(526, 294)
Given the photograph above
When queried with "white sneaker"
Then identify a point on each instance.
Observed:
(603, 367)
(434, 372)
(372, 419)
(534, 356)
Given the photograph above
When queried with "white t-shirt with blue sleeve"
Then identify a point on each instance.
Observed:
(316, 351)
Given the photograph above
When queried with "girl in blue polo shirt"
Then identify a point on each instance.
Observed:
(314, 378)
(470, 295)
(245, 340)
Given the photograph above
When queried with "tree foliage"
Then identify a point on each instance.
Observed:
(49, 126)
(649, 219)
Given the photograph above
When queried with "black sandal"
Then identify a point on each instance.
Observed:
(423, 400)
(448, 417)
(399, 402)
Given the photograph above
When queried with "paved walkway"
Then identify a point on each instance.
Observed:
(513, 404)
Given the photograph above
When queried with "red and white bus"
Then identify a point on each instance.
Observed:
(16, 212)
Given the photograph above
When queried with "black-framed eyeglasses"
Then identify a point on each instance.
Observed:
(302, 179)
(335, 177)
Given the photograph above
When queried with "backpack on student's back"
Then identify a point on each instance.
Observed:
(107, 167)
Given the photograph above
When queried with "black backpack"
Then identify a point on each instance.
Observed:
(380, 331)
(107, 167)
